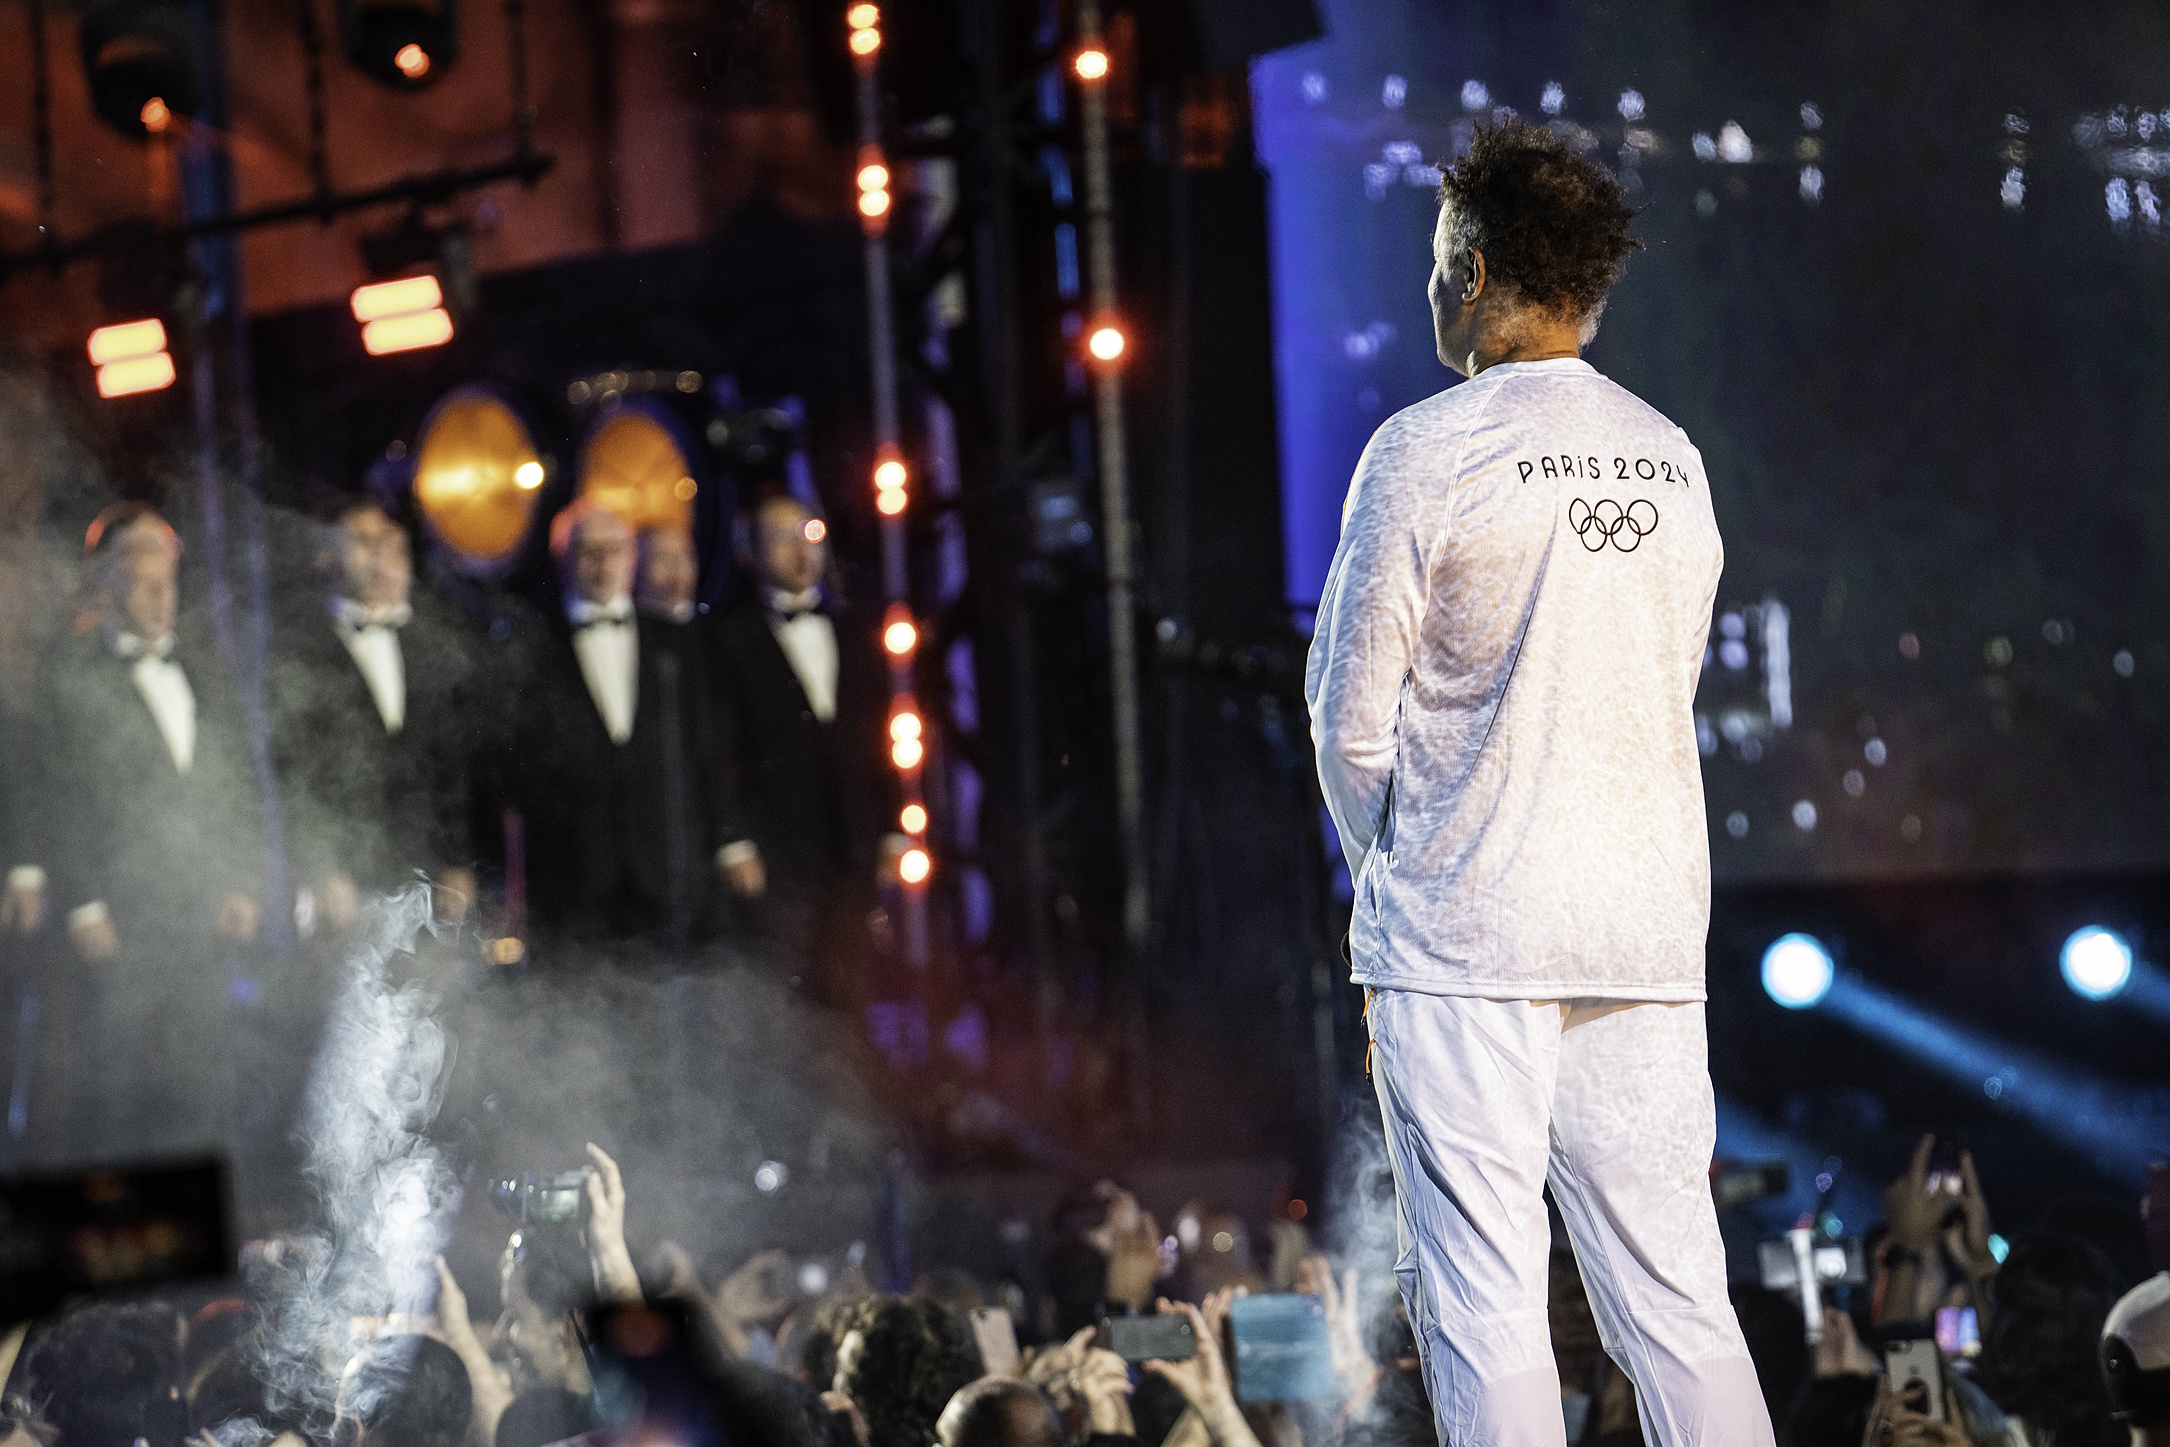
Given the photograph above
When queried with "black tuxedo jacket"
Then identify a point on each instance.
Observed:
(119, 821)
(379, 806)
(817, 796)
(600, 817)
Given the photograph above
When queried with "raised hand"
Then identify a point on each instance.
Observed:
(614, 1273)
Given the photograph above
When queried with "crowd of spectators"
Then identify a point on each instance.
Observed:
(629, 1343)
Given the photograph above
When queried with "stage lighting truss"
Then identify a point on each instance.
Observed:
(406, 44)
(634, 463)
(478, 478)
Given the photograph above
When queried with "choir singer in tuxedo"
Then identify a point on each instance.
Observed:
(612, 764)
(807, 691)
(150, 815)
(368, 700)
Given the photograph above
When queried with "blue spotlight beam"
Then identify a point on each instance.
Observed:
(2121, 1128)
(2148, 992)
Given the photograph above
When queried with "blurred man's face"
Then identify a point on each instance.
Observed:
(145, 579)
(1450, 326)
(785, 556)
(668, 572)
(376, 567)
(602, 558)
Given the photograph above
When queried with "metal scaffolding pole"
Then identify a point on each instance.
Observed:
(1114, 481)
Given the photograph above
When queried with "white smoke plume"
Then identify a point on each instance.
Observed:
(386, 1194)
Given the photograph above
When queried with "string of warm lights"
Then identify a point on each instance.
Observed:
(892, 484)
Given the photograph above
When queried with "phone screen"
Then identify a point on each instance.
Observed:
(1958, 1332)
(996, 1335)
(1916, 1371)
(1283, 1352)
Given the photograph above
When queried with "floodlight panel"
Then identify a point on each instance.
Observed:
(467, 472)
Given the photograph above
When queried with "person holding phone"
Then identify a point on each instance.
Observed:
(1501, 687)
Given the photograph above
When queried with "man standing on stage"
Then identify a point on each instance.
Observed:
(1501, 689)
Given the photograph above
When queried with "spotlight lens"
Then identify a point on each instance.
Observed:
(528, 475)
(1797, 971)
(899, 638)
(866, 41)
(2096, 962)
(905, 725)
(889, 473)
(863, 17)
(873, 203)
(814, 530)
(1092, 64)
(154, 115)
(915, 866)
(874, 177)
(906, 753)
(685, 489)
(412, 60)
(1106, 343)
(890, 503)
(913, 819)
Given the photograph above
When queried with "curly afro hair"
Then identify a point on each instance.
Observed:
(913, 1356)
(1552, 224)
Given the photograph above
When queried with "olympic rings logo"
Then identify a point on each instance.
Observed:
(1608, 522)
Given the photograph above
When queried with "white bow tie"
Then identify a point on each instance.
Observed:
(361, 615)
(128, 645)
(585, 614)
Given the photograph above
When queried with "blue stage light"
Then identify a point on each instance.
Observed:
(1797, 971)
(2097, 962)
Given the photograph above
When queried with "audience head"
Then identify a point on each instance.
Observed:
(135, 559)
(670, 571)
(404, 1391)
(2136, 1357)
(542, 1415)
(900, 1361)
(96, 1369)
(1000, 1412)
(2041, 1347)
(593, 547)
(789, 553)
(366, 554)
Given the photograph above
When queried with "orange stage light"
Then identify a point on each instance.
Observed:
(873, 203)
(873, 176)
(406, 333)
(136, 374)
(128, 339)
(914, 866)
(863, 17)
(866, 42)
(890, 503)
(913, 819)
(412, 61)
(906, 753)
(155, 115)
(889, 473)
(396, 298)
(905, 725)
(814, 530)
(1091, 64)
(900, 637)
(528, 476)
(1106, 343)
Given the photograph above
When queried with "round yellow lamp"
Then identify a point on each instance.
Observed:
(477, 476)
(632, 465)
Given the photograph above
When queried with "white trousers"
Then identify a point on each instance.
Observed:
(1484, 1101)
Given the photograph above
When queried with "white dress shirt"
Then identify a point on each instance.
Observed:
(164, 687)
(371, 636)
(808, 640)
(608, 647)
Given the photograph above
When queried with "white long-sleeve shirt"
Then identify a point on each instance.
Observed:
(1502, 685)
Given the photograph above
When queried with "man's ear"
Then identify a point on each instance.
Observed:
(1474, 276)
